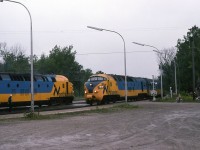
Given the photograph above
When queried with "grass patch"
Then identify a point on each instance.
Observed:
(115, 108)
(185, 99)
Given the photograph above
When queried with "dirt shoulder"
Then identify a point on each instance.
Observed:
(152, 126)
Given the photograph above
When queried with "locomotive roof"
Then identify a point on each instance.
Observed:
(122, 77)
(27, 77)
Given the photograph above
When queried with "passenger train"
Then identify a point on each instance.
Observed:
(48, 89)
(105, 88)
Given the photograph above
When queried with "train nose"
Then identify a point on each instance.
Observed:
(90, 96)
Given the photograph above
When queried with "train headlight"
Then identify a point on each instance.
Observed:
(85, 92)
(95, 91)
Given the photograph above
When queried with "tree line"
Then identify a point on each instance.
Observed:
(182, 61)
(61, 60)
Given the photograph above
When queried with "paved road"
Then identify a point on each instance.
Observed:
(153, 126)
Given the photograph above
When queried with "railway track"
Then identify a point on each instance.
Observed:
(22, 109)
(76, 106)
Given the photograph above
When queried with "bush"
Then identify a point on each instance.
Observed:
(31, 115)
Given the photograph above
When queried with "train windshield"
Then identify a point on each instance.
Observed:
(96, 78)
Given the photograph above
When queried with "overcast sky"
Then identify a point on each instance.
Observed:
(159, 23)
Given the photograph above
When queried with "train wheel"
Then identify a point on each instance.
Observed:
(103, 102)
(91, 103)
(107, 101)
(98, 102)
(40, 104)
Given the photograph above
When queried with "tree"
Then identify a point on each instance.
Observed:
(59, 61)
(166, 62)
(100, 72)
(183, 61)
(14, 59)
(62, 61)
(184, 58)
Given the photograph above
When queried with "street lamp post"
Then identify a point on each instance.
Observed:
(100, 29)
(161, 65)
(31, 57)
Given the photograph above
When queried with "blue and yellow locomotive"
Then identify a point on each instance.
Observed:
(48, 89)
(103, 88)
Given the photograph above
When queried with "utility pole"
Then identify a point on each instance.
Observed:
(193, 68)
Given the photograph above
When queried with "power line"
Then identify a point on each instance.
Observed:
(105, 53)
(79, 30)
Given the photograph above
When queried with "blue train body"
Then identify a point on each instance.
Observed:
(48, 89)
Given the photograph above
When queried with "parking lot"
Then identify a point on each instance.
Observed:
(152, 126)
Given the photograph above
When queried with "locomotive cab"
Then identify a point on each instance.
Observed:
(101, 89)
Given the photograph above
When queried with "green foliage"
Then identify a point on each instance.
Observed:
(59, 61)
(183, 61)
(114, 108)
(184, 58)
(99, 72)
(31, 116)
(99, 110)
(14, 59)
(186, 98)
(62, 61)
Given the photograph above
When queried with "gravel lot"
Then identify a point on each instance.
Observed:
(152, 126)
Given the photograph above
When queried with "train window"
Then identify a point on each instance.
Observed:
(15, 78)
(92, 79)
(47, 85)
(129, 79)
(133, 79)
(39, 78)
(5, 77)
(22, 78)
(11, 77)
(97, 78)
(53, 79)
(0, 78)
(123, 78)
(17, 85)
(100, 78)
(8, 85)
(118, 78)
(49, 79)
(27, 78)
(38, 85)
(44, 78)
